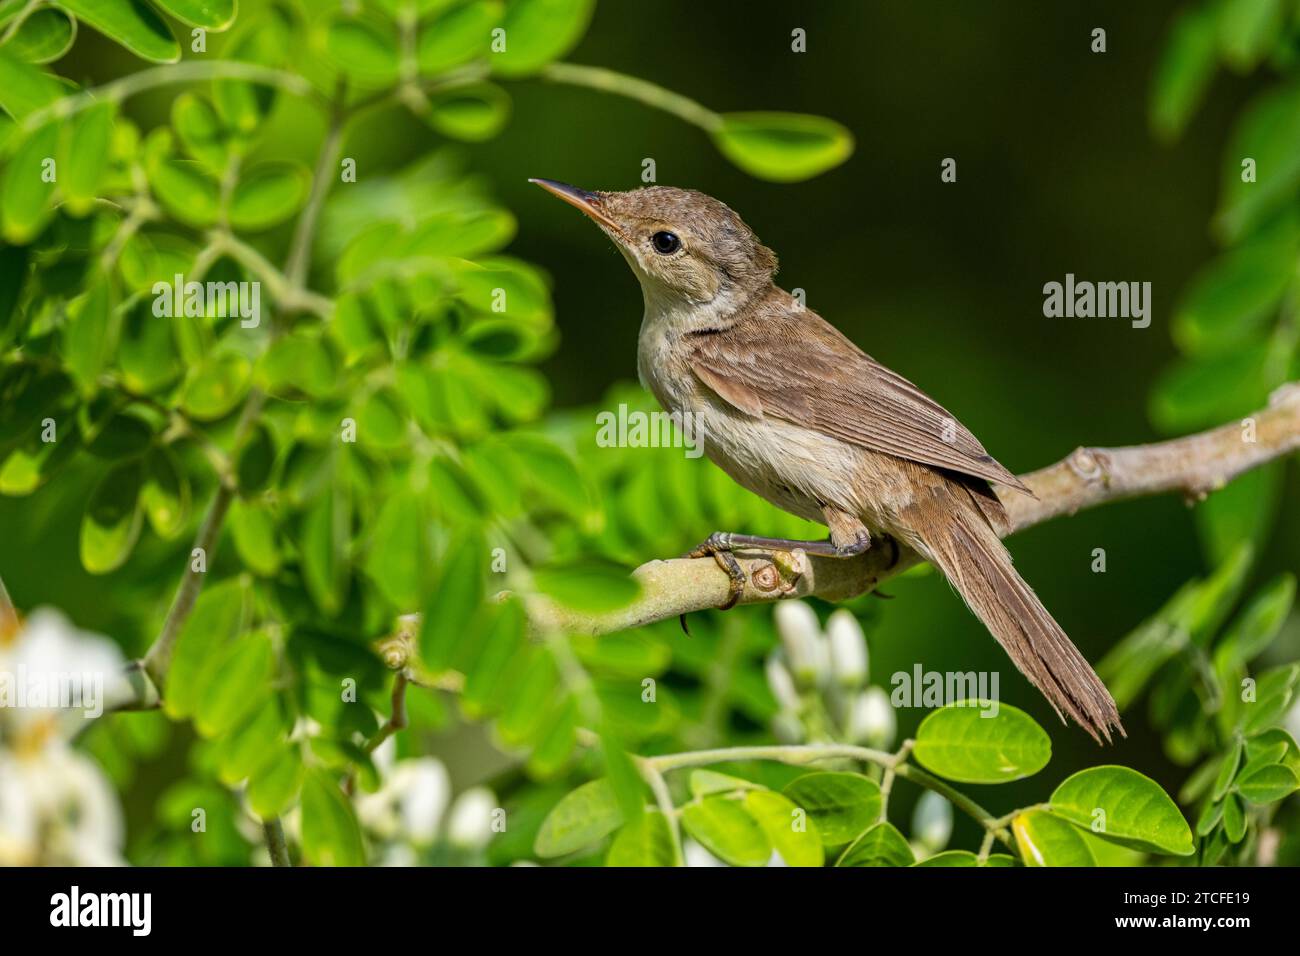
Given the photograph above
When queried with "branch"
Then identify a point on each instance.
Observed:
(1194, 466)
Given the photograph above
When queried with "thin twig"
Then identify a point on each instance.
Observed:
(274, 834)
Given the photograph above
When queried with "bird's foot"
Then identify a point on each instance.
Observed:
(718, 546)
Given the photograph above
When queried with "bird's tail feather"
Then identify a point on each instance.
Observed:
(968, 551)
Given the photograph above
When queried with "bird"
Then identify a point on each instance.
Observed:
(791, 409)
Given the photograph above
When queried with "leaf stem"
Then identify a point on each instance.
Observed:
(800, 755)
(651, 94)
(274, 834)
(188, 71)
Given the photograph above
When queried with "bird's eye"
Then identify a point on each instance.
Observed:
(665, 243)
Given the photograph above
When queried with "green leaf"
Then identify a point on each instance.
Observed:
(1201, 392)
(1046, 840)
(589, 587)
(539, 31)
(132, 23)
(14, 262)
(1230, 302)
(24, 88)
(457, 36)
(961, 742)
(165, 495)
(1267, 784)
(216, 15)
(217, 618)
(1210, 816)
(26, 197)
(472, 113)
(297, 365)
(241, 681)
(32, 464)
(725, 829)
(783, 147)
(44, 36)
(254, 533)
(841, 805)
(582, 817)
(1134, 811)
(90, 334)
(85, 158)
(705, 783)
(550, 473)
(1243, 512)
(216, 386)
(486, 682)
(187, 191)
(364, 48)
(110, 526)
(1183, 73)
(399, 550)
(1228, 769)
(200, 131)
(255, 460)
(273, 786)
(950, 858)
(882, 845)
(1273, 693)
(122, 435)
(265, 37)
(791, 834)
(1234, 819)
(323, 544)
(1247, 29)
(1255, 627)
(454, 603)
(268, 194)
(646, 841)
(1268, 132)
(330, 833)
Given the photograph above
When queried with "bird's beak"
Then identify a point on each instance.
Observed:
(586, 201)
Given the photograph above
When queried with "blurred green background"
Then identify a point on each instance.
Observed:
(1057, 173)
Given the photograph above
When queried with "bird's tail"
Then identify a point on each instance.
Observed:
(961, 542)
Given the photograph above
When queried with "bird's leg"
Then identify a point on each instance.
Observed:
(849, 538)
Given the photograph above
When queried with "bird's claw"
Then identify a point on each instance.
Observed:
(718, 546)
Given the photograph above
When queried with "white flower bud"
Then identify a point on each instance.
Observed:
(802, 639)
(781, 684)
(871, 719)
(470, 822)
(848, 649)
(932, 821)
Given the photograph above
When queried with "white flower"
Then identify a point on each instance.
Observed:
(696, 855)
(52, 672)
(781, 684)
(410, 802)
(871, 719)
(58, 808)
(470, 822)
(932, 821)
(801, 636)
(848, 648)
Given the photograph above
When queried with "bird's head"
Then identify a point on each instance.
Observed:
(687, 249)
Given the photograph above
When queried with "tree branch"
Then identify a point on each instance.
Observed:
(1194, 465)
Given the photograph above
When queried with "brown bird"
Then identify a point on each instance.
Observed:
(795, 412)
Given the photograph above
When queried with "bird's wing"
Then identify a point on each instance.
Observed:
(799, 368)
